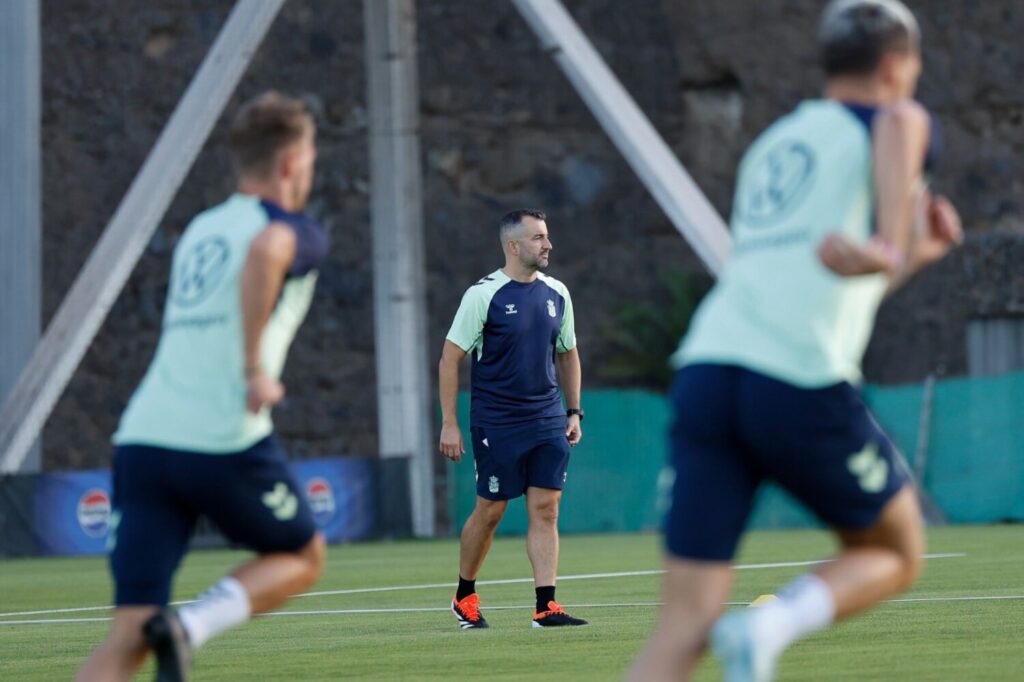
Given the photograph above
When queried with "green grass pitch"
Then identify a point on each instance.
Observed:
(941, 637)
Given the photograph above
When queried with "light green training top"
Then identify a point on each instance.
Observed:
(776, 309)
(193, 397)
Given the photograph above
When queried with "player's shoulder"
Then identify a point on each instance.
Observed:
(491, 282)
(485, 287)
(906, 110)
(555, 284)
(238, 209)
(906, 117)
(215, 227)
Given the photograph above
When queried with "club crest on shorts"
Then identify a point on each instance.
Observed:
(551, 308)
(871, 470)
(492, 484)
(281, 502)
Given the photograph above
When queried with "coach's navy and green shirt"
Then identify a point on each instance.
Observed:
(513, 330)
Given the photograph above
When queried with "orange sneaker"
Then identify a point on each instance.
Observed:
(467, 612)
(554, 617)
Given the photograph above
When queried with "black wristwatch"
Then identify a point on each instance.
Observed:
(574, 410)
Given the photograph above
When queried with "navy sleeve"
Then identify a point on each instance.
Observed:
(935, 145)
(866, 115)
(312, 239)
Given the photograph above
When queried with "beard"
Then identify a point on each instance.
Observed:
(534, 261)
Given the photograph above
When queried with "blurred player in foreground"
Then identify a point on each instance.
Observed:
(518, 324)
(830, 213)
(197, 438)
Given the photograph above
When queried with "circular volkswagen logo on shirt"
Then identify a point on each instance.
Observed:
(777, 183)
(201, 269)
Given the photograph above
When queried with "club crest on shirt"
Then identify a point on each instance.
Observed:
(551, 308)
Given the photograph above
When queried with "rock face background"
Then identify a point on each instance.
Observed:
(501, 128)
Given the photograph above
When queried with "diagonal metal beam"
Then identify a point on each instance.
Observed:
(112, 261)
(630, 130)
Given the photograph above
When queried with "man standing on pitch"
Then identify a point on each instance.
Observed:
(830, 213)
(197, 438)
(518, 324)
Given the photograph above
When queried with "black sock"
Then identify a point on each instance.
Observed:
(544, 595)
(466, 588)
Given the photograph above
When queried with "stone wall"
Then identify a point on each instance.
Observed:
(501, 128)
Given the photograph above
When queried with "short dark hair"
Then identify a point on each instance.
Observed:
(855, 35)
(264, 126)
(513, 219)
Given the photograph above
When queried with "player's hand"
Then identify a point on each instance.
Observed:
(451, 445)
(847, 259)
(262, 391)
(944, 231)
(573, 431)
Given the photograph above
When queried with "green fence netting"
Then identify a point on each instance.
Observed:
(964, 436)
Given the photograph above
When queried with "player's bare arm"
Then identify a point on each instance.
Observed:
(570, 376)
(270, 255)
(451, 444)
(915, 229)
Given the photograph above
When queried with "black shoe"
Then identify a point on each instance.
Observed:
(467, 612)
(165, 633)
(555, 617)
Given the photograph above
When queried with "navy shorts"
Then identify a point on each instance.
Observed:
(510, 459)
(735, 428)
(159, 495)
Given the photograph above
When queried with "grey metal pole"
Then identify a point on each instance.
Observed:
(399, 273)
(20, 205)
(97, 286)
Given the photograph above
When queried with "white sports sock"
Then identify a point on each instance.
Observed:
(804, 606)
(223, 606)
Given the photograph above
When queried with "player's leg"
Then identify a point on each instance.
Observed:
(692, 593)
(495, 485)
(712, 487)
(478, 534)
(873, 564)
(149, 535)
(546, 466)
(856, 484)
(255, 501)
(123, 652)
(878, 562)
(542, 534)
(474, 543)
(271, 579)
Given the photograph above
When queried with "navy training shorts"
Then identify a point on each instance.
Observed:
(160, 493)
(735, 428)
(510, 459)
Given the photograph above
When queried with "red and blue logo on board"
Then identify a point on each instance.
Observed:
(320, 495)
(94, 513)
